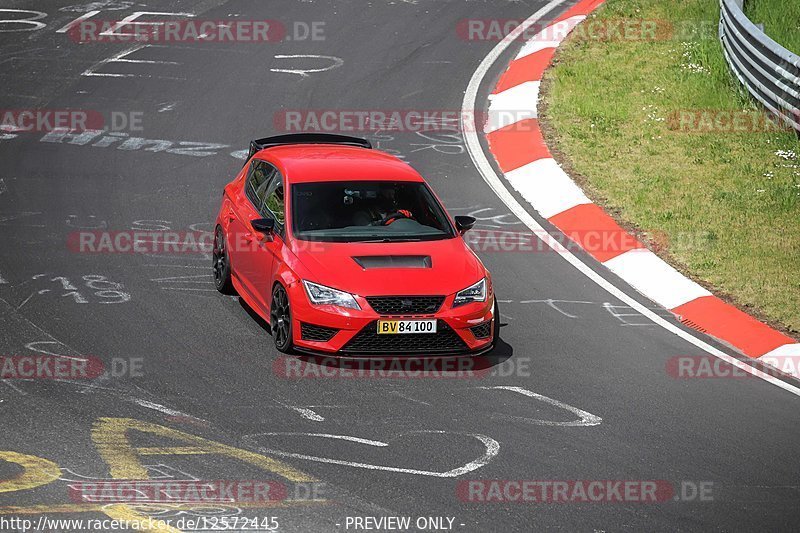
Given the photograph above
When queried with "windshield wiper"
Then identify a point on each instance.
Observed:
(387, 239)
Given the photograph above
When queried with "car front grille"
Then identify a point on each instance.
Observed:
(482, 331)
(310, 332)
(405, 305)
(368, 341)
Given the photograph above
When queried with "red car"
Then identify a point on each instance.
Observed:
(346, 250)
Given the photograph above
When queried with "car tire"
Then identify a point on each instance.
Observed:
(280, 323)
(221, 263)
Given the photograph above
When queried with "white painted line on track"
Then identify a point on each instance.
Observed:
(494, 182)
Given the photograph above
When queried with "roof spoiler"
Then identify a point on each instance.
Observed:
(306, 138)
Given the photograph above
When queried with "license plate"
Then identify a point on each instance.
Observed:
(395, 327)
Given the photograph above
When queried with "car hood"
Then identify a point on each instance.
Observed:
(403, 268)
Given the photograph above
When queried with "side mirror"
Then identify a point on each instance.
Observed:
(464, 223)
(263, 225)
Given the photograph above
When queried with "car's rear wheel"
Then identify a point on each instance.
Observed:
(280, 323)
(221, 263)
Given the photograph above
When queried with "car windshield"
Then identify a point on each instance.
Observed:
(367, 211)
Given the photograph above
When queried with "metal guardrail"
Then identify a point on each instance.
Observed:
(770, 72)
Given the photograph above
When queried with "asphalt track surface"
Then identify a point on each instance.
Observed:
(208, 365)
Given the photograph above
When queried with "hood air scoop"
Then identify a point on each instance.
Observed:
(368, 262)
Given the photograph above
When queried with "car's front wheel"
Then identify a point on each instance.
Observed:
(280, 323)
(221, 263)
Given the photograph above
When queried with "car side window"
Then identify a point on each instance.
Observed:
(257, 182)
(274, 201)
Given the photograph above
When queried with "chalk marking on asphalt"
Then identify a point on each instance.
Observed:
(110, 437)
(75, 22)
(91, 71)
(34, 293)
(552, 303)
(481, 162)
(22, 214)
(622, 317)
(186, 289)
(123, 512)
(161, 469)
(175, 266)
(337, 62)
(584, 418)
(305, 412)
(492, 449)
(122, 57)
(160, 408)
(35, 472)
(17, 389)
(409, 398)
(34, 347)
(3, 187)
(186, 279)
(349, 438)
(70, 508)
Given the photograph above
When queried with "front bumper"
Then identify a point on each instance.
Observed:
(356, 330)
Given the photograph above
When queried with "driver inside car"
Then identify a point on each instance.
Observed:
(383, 211)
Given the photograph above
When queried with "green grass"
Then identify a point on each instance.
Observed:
(781, 20)
(728, 203)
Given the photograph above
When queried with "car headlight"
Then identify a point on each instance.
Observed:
(322, 295)
(474, 293)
